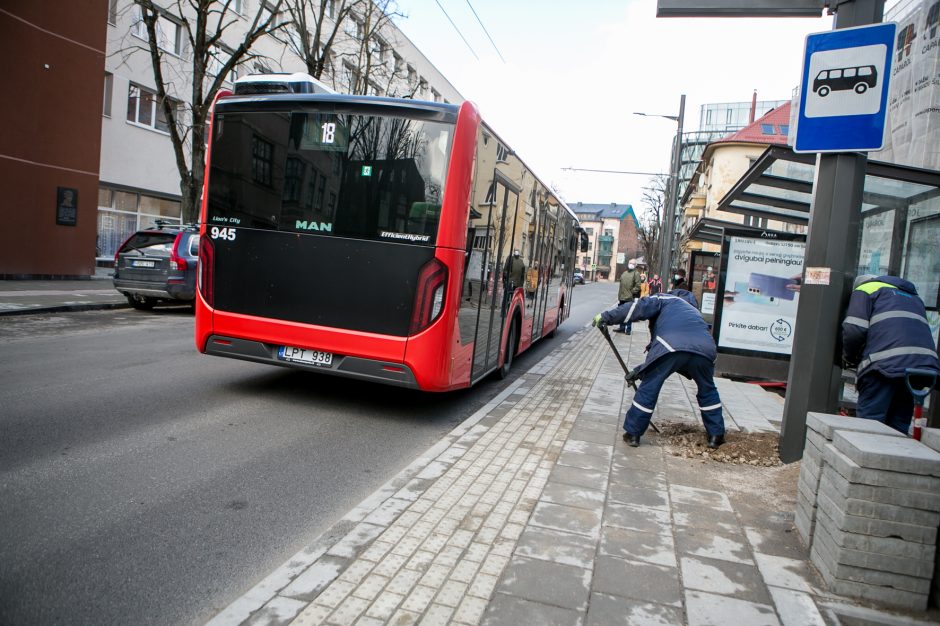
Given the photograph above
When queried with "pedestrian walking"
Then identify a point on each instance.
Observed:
(884, 333)
(656, 285)
(679, 342)
(678, 280)
(629, 290)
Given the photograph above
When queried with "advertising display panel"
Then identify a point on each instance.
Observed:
(759, 293)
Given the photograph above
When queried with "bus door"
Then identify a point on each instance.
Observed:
(494, 298)
(545, 272)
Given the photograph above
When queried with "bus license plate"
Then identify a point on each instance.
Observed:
(303, 355)
(142, 263)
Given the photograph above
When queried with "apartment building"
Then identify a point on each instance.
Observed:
(54, 57)
(612, 231)
(139, 177)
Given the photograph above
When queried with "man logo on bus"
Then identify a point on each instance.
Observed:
(323, 227)
(859, 79)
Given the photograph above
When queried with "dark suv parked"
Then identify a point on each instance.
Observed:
(158, 265)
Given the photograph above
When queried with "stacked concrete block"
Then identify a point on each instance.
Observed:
(931, 438)
(819, 432)
(877, 518)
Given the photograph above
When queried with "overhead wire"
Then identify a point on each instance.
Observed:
(469, 47)
(485, 31)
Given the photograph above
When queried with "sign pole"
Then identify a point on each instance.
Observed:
(814, 379)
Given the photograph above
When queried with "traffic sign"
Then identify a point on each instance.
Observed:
(844, 89)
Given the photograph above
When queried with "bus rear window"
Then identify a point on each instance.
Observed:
(340, 175)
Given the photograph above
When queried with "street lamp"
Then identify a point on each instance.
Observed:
(669, 216)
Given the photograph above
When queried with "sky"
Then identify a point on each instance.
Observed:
(575, 72)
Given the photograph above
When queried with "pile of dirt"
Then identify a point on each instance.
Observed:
(688, 441)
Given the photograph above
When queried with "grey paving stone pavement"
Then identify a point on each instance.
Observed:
(534, 511)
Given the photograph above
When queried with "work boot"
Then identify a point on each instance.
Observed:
(714, 441)
(632, 440)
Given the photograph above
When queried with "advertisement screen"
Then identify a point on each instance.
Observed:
(761, 294)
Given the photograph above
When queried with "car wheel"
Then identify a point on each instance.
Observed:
(861, 88)
(510, 352)
(141, 303)
(823, 91)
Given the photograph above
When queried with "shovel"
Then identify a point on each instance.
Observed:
(631, 376)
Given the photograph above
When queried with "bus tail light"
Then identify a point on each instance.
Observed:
(429, 296)
(206, 279)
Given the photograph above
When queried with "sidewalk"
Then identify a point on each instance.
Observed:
(18, 297)
(534, 511)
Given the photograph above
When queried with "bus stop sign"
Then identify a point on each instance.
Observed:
(844, 89)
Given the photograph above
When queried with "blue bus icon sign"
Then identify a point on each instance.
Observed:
(844, 89)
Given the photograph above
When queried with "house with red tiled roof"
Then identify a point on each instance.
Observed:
(723, 163)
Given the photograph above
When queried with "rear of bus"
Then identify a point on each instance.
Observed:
(332, 233)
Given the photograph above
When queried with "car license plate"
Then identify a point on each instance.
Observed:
(304, 355)
(137, 263)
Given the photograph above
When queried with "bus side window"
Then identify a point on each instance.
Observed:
(850, 72)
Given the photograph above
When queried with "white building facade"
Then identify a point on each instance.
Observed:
(139, 177)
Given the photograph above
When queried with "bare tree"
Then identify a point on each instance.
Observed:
(312, 34)
(654, 199)
(344, 37)
(185, 86)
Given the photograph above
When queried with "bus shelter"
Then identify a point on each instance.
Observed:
(900, 220)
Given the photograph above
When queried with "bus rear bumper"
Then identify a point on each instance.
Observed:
(387, 372)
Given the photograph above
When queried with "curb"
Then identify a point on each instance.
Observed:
(66, 308)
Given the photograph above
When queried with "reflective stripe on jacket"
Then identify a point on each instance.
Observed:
(886, 329)
(675, 325)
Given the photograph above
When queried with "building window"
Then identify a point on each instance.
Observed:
(121, 213)
(218, 57)
(353, 28)
(144, 109)
(412, 77)
(238, 6)
(112, 12)
(351, 76)
(108, 86)
(435, 96)
(767, 129)
(262, 158)
(502, 153)
(293, 179)
(169, 32)
(331, 9)
(784, 129)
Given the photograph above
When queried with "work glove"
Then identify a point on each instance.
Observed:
(597, 321)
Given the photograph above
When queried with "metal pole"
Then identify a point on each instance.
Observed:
(672, 195)
(814, 379)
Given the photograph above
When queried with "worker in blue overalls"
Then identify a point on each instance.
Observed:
(679, 342)
(885, 332)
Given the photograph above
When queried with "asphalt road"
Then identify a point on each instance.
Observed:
(144, 483)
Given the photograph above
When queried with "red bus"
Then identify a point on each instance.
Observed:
(374, 238)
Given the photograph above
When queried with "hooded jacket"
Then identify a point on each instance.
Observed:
(886, 329)
(675, 325)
